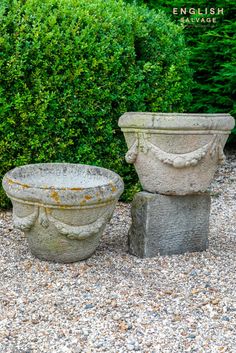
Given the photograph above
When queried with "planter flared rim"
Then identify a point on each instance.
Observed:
(177, 121)
(18, 189)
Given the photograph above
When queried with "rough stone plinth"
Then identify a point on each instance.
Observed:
(166, 225)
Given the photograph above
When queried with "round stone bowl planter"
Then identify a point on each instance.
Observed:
(175, 154)
(62, 208)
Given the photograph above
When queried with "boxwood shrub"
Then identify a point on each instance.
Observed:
(70, 68)
(213, 54)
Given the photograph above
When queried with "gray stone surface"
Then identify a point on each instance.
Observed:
(173, 153)
(166, 225)
(62, 208)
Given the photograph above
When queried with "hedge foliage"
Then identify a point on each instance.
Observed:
(69, 69)
(213, 53)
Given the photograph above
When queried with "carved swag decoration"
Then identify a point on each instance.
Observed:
(142, 144)
(71, 232)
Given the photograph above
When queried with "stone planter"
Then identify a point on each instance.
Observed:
(62, 208)
(175, 154)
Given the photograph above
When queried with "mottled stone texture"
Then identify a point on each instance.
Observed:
(62, 208)
(166, 225)
(173, 153)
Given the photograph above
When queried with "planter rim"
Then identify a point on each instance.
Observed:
(177, 121)
(17, 186)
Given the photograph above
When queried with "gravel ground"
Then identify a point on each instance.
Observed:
(115, 302)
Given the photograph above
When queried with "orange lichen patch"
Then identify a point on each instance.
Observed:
(11, 182)
(24, 186)
(87, 197)
(76, 189)
(113, 188)
(55, 196)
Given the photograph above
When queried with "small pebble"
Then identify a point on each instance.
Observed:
(225, 318)
(89, 306)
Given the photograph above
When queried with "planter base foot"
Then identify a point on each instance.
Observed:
(167, 225)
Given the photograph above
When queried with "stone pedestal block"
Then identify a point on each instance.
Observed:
(166, 225)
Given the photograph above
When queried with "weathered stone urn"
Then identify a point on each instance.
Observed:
(62, 208)
(175, 154)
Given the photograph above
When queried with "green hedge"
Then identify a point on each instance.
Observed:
(69, 69)
(213, 53)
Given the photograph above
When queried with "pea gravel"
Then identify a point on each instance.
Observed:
(115, 302)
